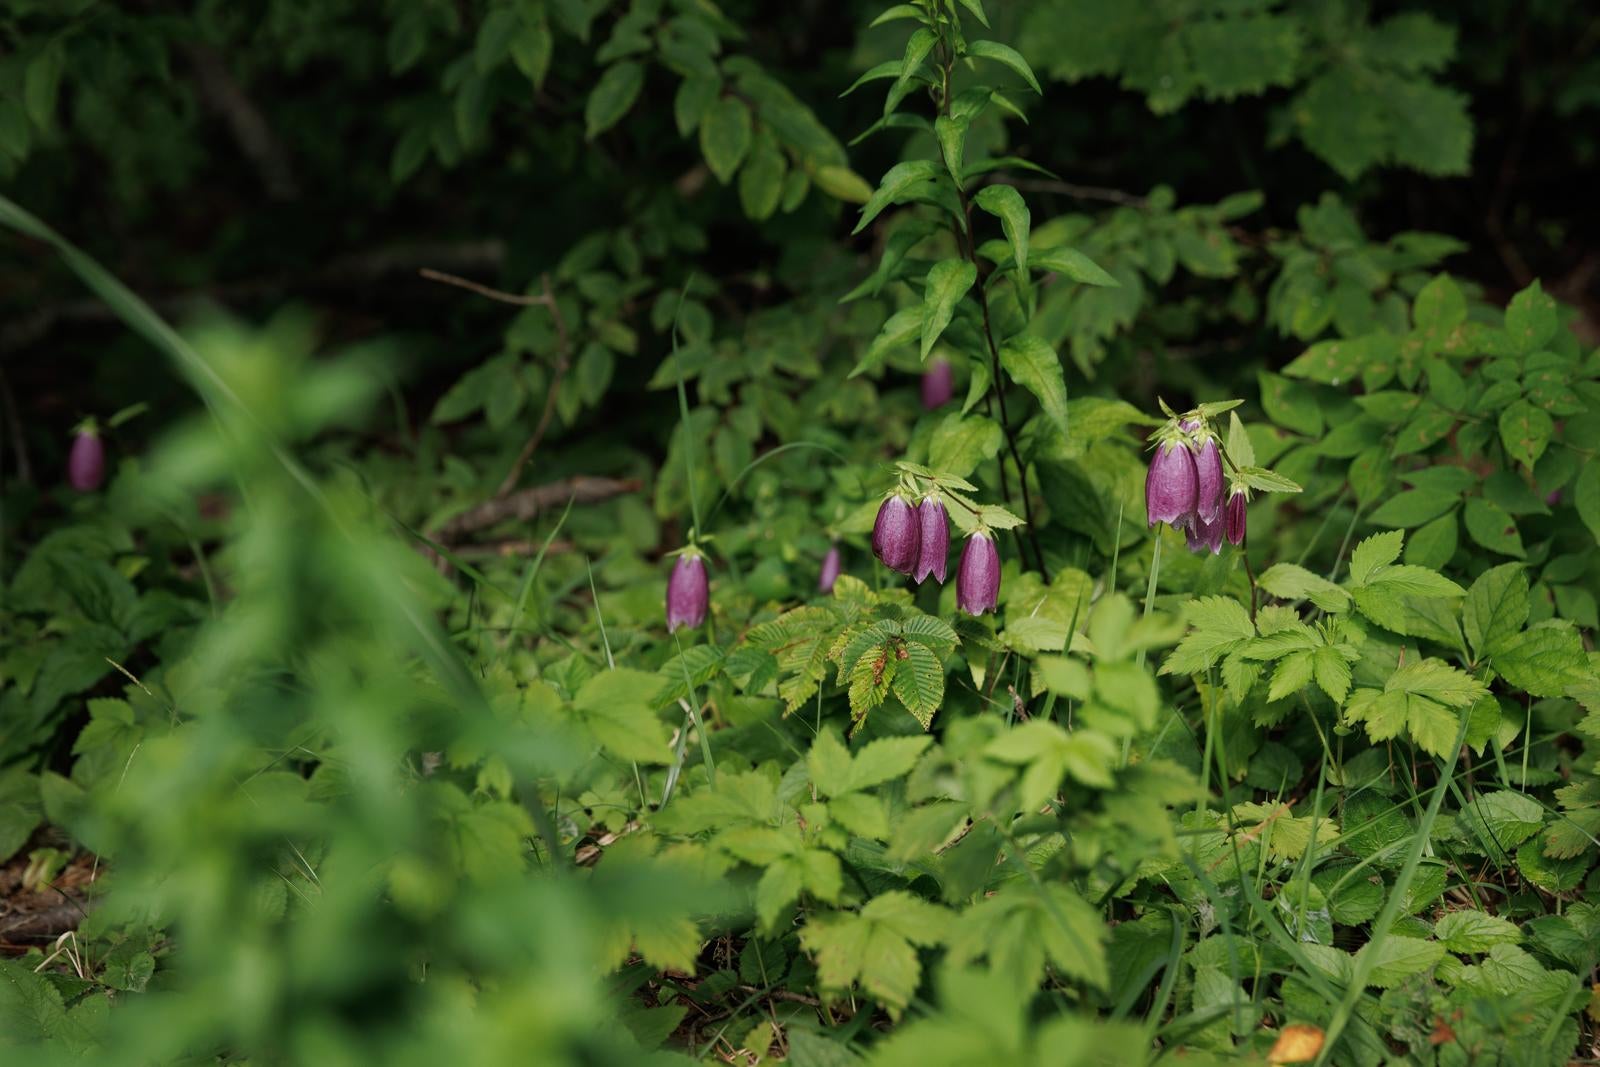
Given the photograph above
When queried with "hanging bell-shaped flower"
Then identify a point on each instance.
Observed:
(934, 529)
(829, 574)
(896, 534)
(1171, 484)
(86, 463)
(978, 576)
(687, 592)
(938, 384)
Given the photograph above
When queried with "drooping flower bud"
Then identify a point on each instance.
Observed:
(978, 577)
(830, 570)
(896, 535)
(1202, 535)
(687, 592)
(86, 463)
(1233, 516)
(933, 523)
(1171, 484)
(938, 383)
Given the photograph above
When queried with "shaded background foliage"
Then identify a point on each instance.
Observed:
(328, 780)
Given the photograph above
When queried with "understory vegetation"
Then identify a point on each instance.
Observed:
(954, 532)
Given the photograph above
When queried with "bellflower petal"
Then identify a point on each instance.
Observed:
(896, 535)
(978, 577)
(934, 527)
(1233, 518)
(687, 592)
(1171, 484)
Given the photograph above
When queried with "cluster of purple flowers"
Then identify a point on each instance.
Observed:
(916, 541)
(1184, 487)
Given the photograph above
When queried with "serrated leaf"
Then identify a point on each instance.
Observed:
(1395, 958)
(1496, 608)
(1475, 931)
(1289, 581)
(1219, 625)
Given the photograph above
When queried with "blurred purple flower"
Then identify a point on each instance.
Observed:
(938, 383)
(830, 570)
(86, 463)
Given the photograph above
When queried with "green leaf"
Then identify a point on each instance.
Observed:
(1219, 625)
(948, 282)
(875, 946)
(1397, 958)
(842, 183)
(919, 682)
(1475, 931)
(611, 98)
(918, 46)
(1005, 203)
(952, 134)
(1287, 581)
(1070, 263)
(1586, 497)
(1414, 507)
(761, 179)
(1525, 431)
(1032, 364)
(886, 759)
(725, 135)
(897, 181)
(961, 442)
(1502, 820)
(1289, 403)
(1440, 307)
(41, 82)
(1543, 661)
(614, 704)
(1007, 55)
(1496, 608)
(1531, 318)
(1491, 526)
(1374, 552)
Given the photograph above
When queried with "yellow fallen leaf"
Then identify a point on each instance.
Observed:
(1296, 1044)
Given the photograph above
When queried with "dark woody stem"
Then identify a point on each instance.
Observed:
(967, 245)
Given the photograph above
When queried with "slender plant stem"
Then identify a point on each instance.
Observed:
(967, 245)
